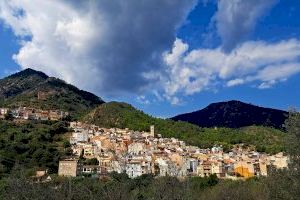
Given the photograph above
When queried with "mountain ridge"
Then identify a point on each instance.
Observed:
(28, 72)
(34, 88)
(234, 114)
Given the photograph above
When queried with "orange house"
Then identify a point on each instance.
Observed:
(243, 171)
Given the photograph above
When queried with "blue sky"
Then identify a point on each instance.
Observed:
(9, 46)
(166, 59)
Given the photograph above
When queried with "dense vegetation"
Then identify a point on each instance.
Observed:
(234, 114)
(32, 145)
(117, 186)
(21, 89)
(123, 115)
(146, 187)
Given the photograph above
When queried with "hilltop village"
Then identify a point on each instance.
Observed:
(137, 153)
(25, 113)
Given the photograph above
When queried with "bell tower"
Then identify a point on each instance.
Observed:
(152, 130)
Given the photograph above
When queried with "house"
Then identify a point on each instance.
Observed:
(88, 150)
(182, 170)
(69, 167)
(91, 169)
(41, 176)
(218, 169)
(162, 166)
(244, 169)
(79, 137)
(279, 160)
(106, 143)
(75, 125)
(192, 165)
(263, 169)
(177, 159)
(207, 168)
(4, 111)
(173, 169)
(118, 166)
(27, 114)
(134, 169)
(217, 149)
(204, 169)
(42, 115)
(105, 163)
(54, 115)
(136, 148)
(40, 173)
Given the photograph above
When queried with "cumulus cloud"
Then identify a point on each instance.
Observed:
(104, 46)
(258, 62)
(117, 46)
(236, 19)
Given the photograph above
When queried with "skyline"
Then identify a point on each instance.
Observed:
(255, 58)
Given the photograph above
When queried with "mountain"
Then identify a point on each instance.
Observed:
(35, 89)
(123, 115)
(234, 114)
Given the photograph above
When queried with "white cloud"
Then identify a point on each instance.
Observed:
(259, 62)
(142, 100)
(236, 19)
(278, 72)
(104, 46)
(235, 82)
(267, 85)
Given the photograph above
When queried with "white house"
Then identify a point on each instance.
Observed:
(134, 169)
(4, 111)
(136, 148)
(79, 137)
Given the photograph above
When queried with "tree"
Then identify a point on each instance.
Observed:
(285, 184)
(92, 161)
(8, 116)
(293, 137)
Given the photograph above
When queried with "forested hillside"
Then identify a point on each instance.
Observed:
(32, 145)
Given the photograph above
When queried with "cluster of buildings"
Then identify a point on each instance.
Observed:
(25, 113)
(137, 153)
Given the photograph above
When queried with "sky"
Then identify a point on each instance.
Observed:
(165, 57)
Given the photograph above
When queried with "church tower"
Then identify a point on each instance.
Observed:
(152, 130)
